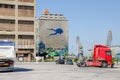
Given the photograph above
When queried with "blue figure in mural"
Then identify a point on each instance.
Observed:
(56, 31)
(41, 47)
(63, 51)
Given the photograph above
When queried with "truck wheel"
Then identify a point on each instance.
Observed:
(78, 65)
(83, 64)
(104, 65)
(112, 65)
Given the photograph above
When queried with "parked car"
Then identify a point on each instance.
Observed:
(69, 61)
(60, 61)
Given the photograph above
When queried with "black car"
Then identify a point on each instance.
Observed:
(60, 61)
(69, 62)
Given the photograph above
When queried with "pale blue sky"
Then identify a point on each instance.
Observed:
(89, 19)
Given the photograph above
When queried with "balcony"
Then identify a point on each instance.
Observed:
(25, 28)
(7, 12)
(30, 1)
(7, 27)
(26, 42)
(25, 13)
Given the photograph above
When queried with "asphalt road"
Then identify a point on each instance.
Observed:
(51, 71)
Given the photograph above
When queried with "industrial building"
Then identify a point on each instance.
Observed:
(17, 21)
(52, 31)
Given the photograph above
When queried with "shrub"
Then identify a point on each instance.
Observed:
(75, 59)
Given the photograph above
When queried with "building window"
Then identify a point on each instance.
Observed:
(6, 6)
(25, 22)
(25, 55)
(26, 7)
(60, 17)
(7, 21)
(12, 6)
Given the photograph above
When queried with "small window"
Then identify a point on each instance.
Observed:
(0, 5)
(12, 6)
(6, 6)
(25, 55)
(108, 52)
(55, 14)
(60, 17)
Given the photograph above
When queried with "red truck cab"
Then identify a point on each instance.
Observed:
(102, 57)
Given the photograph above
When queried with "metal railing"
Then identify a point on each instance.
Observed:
(25, 42)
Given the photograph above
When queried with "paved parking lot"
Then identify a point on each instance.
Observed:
(51, 71)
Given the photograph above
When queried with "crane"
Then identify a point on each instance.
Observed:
(79, 48)
(109, 39)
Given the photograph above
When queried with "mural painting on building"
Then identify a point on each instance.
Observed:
(51, 52)
(52, 35)
(57, 31)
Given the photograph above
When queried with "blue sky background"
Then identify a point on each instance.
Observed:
(89, 19)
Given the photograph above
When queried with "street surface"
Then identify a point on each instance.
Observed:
(51, 71)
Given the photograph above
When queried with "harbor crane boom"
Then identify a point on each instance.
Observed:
(109, 39)
(79, 48)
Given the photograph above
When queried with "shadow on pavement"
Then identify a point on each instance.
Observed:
(18, 69)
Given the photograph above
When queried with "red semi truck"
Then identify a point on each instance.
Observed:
(102, 57)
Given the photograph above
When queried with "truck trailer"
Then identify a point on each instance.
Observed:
(7, 56)
(102, 57)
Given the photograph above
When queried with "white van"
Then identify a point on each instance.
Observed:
(7, 56)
